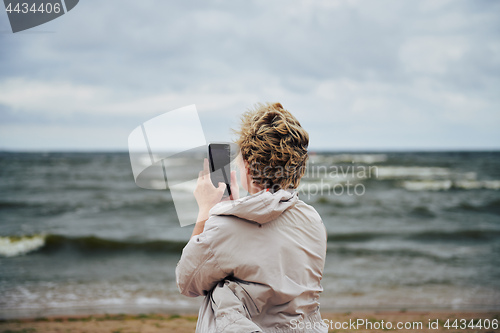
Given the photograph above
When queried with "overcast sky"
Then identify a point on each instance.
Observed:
(359, 75)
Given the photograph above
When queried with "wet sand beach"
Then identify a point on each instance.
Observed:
(373, 321)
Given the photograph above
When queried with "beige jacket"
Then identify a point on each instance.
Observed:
(259, 262)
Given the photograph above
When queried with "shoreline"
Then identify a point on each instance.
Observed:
(85, 311)
(366, 321)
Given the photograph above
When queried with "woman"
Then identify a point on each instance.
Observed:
(259, 259)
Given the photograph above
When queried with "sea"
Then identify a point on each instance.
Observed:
(406, 231)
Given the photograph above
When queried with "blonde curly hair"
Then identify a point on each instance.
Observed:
(274, 144)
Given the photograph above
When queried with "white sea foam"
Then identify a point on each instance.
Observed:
(348, 158)
(397, 172)
(491, 184)
(477, 184)
(443, 185)
(427, 185)
(359, 158)
(469, 184)
(16, 246)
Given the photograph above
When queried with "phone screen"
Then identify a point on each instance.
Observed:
(220, 169)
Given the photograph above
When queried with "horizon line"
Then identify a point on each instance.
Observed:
(319, 150)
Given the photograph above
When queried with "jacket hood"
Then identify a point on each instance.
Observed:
(260, 207)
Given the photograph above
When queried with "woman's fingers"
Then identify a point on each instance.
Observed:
(205, 173)
(235, 190)
(205, 193)
(221, 188)
(205, 166)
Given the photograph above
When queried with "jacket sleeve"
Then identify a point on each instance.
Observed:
(198, 271)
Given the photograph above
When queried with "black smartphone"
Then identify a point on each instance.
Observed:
(219, 155)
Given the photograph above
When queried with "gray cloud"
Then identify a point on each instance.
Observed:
(358, 74)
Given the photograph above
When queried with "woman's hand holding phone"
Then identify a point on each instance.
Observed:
(207, 195)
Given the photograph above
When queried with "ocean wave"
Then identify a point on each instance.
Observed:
(348, 158)
(421, 236)
(346, 251)
(90, 244)
(359, 158)
(490, 207)
(99, 202)
(441, 253)
(480, 184)
(427, 185)
(422, 212)
(444, 185)
(12, 246)
(468, 235)
(12, 204)
(40, 208)
(403, 172)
